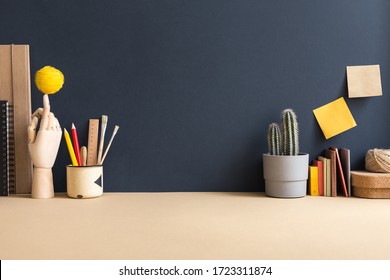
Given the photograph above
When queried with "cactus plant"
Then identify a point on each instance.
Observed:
(274, 139)
(290, 135)
(285, 169)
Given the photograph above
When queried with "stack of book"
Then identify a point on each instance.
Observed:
(330, 173)
(15, 96)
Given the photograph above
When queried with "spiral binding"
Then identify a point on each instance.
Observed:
(4, 149)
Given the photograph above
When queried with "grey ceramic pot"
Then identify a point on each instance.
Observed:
(286, 176)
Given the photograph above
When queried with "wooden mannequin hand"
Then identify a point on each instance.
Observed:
(43, 145)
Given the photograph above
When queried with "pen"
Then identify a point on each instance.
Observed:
(76, 144)
(70, 148)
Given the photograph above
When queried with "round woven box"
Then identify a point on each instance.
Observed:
(370, 185)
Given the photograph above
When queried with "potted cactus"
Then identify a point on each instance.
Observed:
(285, 168)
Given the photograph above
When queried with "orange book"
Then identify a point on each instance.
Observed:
(320, 166)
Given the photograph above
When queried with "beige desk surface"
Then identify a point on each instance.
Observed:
(194, 226)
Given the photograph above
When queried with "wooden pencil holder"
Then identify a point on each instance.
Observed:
(84, 181)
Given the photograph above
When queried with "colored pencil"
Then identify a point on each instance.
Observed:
(70, 148)
(76, 144)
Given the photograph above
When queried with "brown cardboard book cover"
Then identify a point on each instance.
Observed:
(15, 87)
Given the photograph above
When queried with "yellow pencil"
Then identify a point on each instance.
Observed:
(70, 148)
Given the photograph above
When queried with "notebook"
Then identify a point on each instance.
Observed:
(4, 183)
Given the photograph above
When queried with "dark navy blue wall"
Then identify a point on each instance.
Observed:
(194, 84)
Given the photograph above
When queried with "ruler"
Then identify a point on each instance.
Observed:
(93, 135)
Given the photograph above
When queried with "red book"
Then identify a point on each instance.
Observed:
(76, 144)
(320, 166)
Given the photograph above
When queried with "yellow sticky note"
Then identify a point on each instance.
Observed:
(334, 118)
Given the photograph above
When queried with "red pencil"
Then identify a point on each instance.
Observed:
(76, 144)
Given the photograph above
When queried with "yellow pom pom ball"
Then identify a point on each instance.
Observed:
(49, 80)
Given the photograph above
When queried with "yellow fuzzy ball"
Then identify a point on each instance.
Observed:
(49, 80)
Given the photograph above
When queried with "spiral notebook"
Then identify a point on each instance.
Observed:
(15, 88)
(4, 171)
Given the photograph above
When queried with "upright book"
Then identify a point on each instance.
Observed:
(4, 163)
(345, 158)
(15, 88)
(313, 180)
(327, 180)
(331, 155)
(320, 166)
(341, 181)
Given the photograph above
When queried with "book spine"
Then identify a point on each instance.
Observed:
(313, 180)
(331, 155)
(346, 166)
(21, 93)
(319, 164)
(340, 173)
(4, 149)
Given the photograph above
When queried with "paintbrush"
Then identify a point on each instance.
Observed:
(109, 143)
